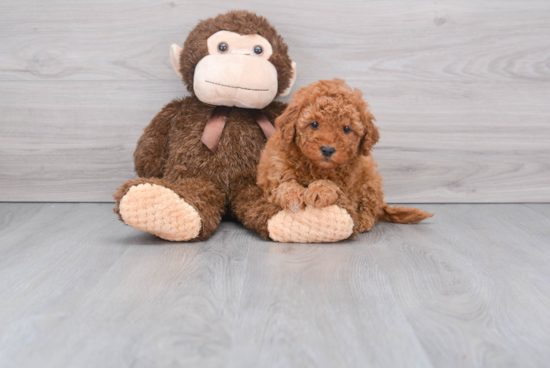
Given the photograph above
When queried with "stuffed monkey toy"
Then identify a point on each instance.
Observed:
(197, 159)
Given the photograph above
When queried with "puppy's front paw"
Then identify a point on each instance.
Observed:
(321, 193)
(291, 198)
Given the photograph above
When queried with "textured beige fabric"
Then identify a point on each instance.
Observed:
(235, 80)
(160, 211)
(311, 225)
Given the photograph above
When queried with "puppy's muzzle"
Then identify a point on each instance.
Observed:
(328, 151)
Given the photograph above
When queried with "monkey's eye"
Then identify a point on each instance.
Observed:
(347, 129)
(258, 50)
(314, 125)
(222, 47)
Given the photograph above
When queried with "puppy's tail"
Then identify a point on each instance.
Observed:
(403, 215)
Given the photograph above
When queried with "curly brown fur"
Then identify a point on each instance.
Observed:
(244, 23)
(294, 172)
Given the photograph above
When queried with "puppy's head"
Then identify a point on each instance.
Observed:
(329, 122)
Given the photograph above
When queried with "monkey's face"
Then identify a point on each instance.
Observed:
(236, 71)
(235, 59)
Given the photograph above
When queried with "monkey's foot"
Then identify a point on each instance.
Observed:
(311, 225)
(160, 211)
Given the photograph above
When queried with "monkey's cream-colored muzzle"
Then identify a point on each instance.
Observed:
(237, 80)
(236, 71)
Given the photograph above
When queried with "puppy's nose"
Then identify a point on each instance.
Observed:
(327, 151)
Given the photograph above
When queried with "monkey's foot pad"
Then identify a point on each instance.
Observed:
(311, 225)
(160, 211)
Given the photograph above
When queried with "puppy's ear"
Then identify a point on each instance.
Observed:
(371, 133)
(286, 123)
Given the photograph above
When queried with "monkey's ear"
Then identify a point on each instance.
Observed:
(371, 134)
(292, 80)
(286, 123)
(175, 53)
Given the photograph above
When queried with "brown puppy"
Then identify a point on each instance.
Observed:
(320, 156)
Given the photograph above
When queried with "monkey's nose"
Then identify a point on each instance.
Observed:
(240, 52)
(327, 151)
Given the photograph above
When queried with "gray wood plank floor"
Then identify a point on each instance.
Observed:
(467, 288)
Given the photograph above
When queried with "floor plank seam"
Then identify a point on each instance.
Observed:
(239, 302)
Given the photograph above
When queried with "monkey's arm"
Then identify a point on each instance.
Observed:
(151, 151)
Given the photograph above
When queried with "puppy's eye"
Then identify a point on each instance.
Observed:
(347, 129)
(222, 47)
(314, 125)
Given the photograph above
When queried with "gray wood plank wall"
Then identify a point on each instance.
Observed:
(461, 89)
